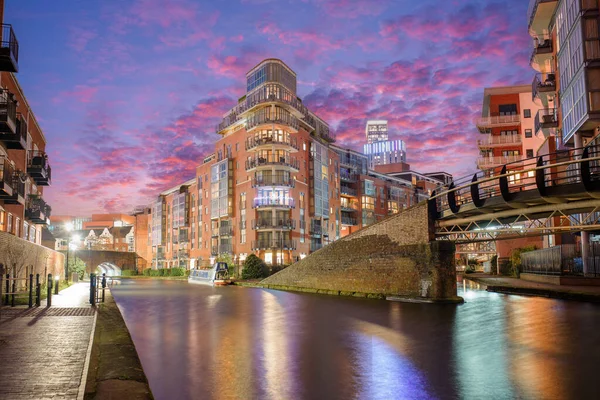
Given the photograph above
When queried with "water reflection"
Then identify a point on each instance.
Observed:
(241, 343)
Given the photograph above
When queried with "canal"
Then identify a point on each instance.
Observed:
(199, 342)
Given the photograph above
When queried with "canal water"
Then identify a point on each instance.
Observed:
(199, 342)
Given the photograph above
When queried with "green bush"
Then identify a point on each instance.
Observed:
(254, 268)
(155, 272)
(494, 264)
(128, 272)
(177, 271)
(146, 272)
(163, 272)
(515, 259)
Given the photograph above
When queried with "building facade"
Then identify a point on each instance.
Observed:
(24, 164)
(275, 186)
(507, 127)
(379, 149)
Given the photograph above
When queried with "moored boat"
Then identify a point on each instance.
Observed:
(218, 275)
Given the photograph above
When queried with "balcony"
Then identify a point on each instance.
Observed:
(349, 207)
(349, 221)
(496, 161)
(348, 177)
(497, 121)
(270, 160)
(289, 143)
(316, 230)
(9, 50)
(8, 114)
(39, 168)
(183, 236)
(541, 56)
(491, 141)
(273, 180)
(348, 191)
(539, 15)
(18, 186)
(543, 87)
(314, 246)
(183, 254)
(214, 251)
(276, 244)
(37, 211)
(277, 202)
(274, 223)
(269, 115)
(226, 230)
(6, 176)
(546, 121)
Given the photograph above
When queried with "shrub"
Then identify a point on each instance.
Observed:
(254, 268)
(128, 272)
(155, 272)
(177, 271)
(515, 259)
(146, 272)
(494, 264)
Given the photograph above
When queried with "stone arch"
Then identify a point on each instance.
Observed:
(109, 269)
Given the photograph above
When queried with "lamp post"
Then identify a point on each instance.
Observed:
(69, 228)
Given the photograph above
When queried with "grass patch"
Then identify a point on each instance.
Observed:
(23, 299)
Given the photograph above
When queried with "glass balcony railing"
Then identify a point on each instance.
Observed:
(490, 140)
(283, 202)
(348, 191)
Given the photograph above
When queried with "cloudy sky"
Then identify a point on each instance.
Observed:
(128, 92)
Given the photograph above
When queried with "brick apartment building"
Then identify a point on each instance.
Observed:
(275, 185)
(24, 166)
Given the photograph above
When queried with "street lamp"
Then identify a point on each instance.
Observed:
(69, 228)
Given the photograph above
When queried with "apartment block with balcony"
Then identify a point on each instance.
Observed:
(275, 185)
(507, 126)
(566, 58)
(24, 164)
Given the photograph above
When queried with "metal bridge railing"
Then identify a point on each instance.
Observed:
(580, 166)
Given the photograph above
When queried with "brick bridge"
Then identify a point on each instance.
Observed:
(397, 257)
(111, 262)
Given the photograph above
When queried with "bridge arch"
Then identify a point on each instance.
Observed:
(109, 269)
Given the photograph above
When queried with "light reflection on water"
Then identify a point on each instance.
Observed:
(240, 343)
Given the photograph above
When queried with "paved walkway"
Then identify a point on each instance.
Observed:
(507, 284)
(43, 351)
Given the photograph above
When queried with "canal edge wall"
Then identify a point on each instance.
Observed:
(115, 370)
(397, 257)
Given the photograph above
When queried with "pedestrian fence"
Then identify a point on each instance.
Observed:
(97, 288)
(13, 288)
(565, 259)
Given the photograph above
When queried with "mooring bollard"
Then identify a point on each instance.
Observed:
(92, 289)
(38, 291)
(57, 284)
(49, 298)
(1, 288)
(30, 290)
(103, 285)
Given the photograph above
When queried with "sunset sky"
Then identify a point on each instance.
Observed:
(128, 92)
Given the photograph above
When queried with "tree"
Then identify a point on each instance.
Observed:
(254, 268)
(77, 265)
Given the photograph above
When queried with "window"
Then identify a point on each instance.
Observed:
(508, 109)
(529, 153)
(527, 113)
(528, 133)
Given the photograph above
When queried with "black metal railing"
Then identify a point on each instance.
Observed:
(226, 230)
(273, 223)
(348, 191)
(541, 174)
(349, 221)
(8, 112)
(6, 171)
(272, 159)
(38, 167)
(543, 83)
(565, 259)
(9, 49)
(37, 210)
(546, 118)
(283, 244)
(273, 180)
(348, 177)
